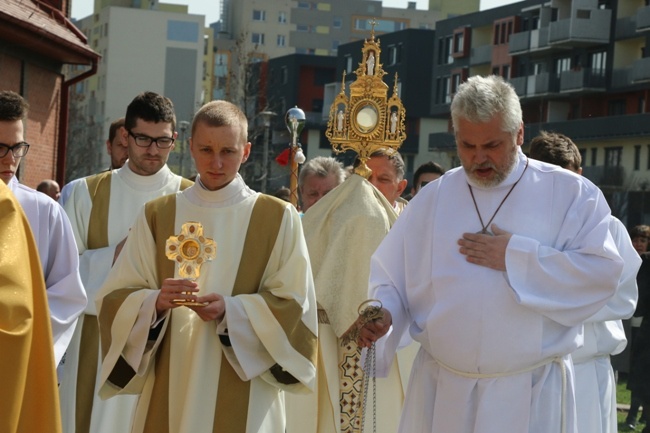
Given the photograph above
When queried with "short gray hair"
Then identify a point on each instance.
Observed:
(479, 99)
(322, 166)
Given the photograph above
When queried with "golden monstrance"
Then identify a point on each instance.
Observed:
(368, 120)
(190, 250)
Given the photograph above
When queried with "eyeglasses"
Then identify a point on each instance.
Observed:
(19, 149)
(145, 141)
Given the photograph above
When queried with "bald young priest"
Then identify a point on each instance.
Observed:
(221, 367)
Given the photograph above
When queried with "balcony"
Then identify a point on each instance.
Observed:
(539, 39)
(605, 176)
(641, 70)
(584, 32)
(541, 84)
(621, 78)
(583, 80)
(626, 28)
(596, 128)
(519, 43)
(643, 19)
(519, 83)
(481, 55)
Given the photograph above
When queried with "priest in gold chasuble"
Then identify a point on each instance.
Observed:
(225, 364)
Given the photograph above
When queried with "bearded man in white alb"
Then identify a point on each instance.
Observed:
(509, 260)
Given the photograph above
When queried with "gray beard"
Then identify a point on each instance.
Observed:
(499, 176)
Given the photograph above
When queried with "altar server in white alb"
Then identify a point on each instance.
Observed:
(221, 367)
(57, 250)
(510, 257)
(102, 209)
(603, 332)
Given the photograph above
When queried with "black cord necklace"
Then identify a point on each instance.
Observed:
(485, 230)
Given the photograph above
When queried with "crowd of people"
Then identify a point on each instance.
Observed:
(146, 302)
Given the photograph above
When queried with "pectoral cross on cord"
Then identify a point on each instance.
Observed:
(485, 229)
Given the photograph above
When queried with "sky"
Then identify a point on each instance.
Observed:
(210, 8)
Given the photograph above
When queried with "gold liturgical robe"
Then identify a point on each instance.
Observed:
(29, 400)
(190, 379)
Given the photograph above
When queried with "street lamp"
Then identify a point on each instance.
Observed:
(182, 125)
(266, 119)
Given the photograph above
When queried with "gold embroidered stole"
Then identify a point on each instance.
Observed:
(233, 393)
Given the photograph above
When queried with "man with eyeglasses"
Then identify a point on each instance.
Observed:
(49, 224)
(102, 209)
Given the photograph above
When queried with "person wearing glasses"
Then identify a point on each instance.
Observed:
(50, 226)
(102, 208)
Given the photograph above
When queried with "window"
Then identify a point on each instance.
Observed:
(304, 5)
(337, 22)
(302, 28)
(259, 15)
(594, 155)
(597, 61)
(616, 107)
(281, 41)
(284, 75)
(182, 31)
(449, 49)
(335, 45)
(444, 87)
(383, 25)
(348, 64)
(282, 17)
(502, 32)
(455, 82)
(539, 68)
(317, 105)
(637, 157)
(257, 38)
(561, 65)
(641, 104)
(583, 14)
(459, 45)
(505, 72)
(394, 54)
(613, 156)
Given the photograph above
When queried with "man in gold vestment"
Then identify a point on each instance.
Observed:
(29, 401)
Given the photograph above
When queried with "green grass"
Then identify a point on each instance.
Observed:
(623, 398)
